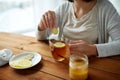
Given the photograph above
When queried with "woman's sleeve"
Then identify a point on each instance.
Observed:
(108, 49)
(112, 27)
(42, 35)
(61, 16)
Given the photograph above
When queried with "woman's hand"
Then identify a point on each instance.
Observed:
(48, 21)
(80, 46)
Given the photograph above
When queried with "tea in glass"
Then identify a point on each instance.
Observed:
(78, 67)
(59, 50)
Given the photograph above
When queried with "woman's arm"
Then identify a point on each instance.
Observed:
(80, 46)
(57, 20)
(109, 26)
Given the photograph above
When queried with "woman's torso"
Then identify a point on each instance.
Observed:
(84, 28)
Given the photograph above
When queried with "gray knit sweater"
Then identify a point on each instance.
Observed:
(108, 27)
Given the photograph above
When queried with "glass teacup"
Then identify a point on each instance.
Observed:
(59, 49)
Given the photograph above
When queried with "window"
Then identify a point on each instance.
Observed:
(22, 16)
(16, 16)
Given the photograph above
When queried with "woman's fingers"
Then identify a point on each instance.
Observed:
(52, 19)
(73, 47)
(77, 41)
(44, 21)
(73, 41)
(49, 19)
(76, 46)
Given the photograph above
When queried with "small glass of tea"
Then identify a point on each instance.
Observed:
(59, 49)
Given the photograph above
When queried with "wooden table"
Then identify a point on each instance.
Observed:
(48, 69)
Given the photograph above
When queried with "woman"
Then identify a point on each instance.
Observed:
(88, 24)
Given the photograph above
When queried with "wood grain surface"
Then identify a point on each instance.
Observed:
(48, 69)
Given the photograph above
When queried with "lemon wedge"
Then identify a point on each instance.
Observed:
(54, 30)
(23, 63)
(59, 44)
(61, 59)
(29, 57)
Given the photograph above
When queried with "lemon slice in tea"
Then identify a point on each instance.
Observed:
(59, 44)
(61, 59)
(54, 30)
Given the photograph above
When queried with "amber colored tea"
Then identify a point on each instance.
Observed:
(59, 50)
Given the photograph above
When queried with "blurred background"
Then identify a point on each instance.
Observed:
(22, 16)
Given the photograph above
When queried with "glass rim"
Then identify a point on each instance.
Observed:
(77, 55)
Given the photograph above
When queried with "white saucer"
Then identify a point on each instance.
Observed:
(36, 59)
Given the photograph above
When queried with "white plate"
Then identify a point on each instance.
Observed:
(36, 59)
